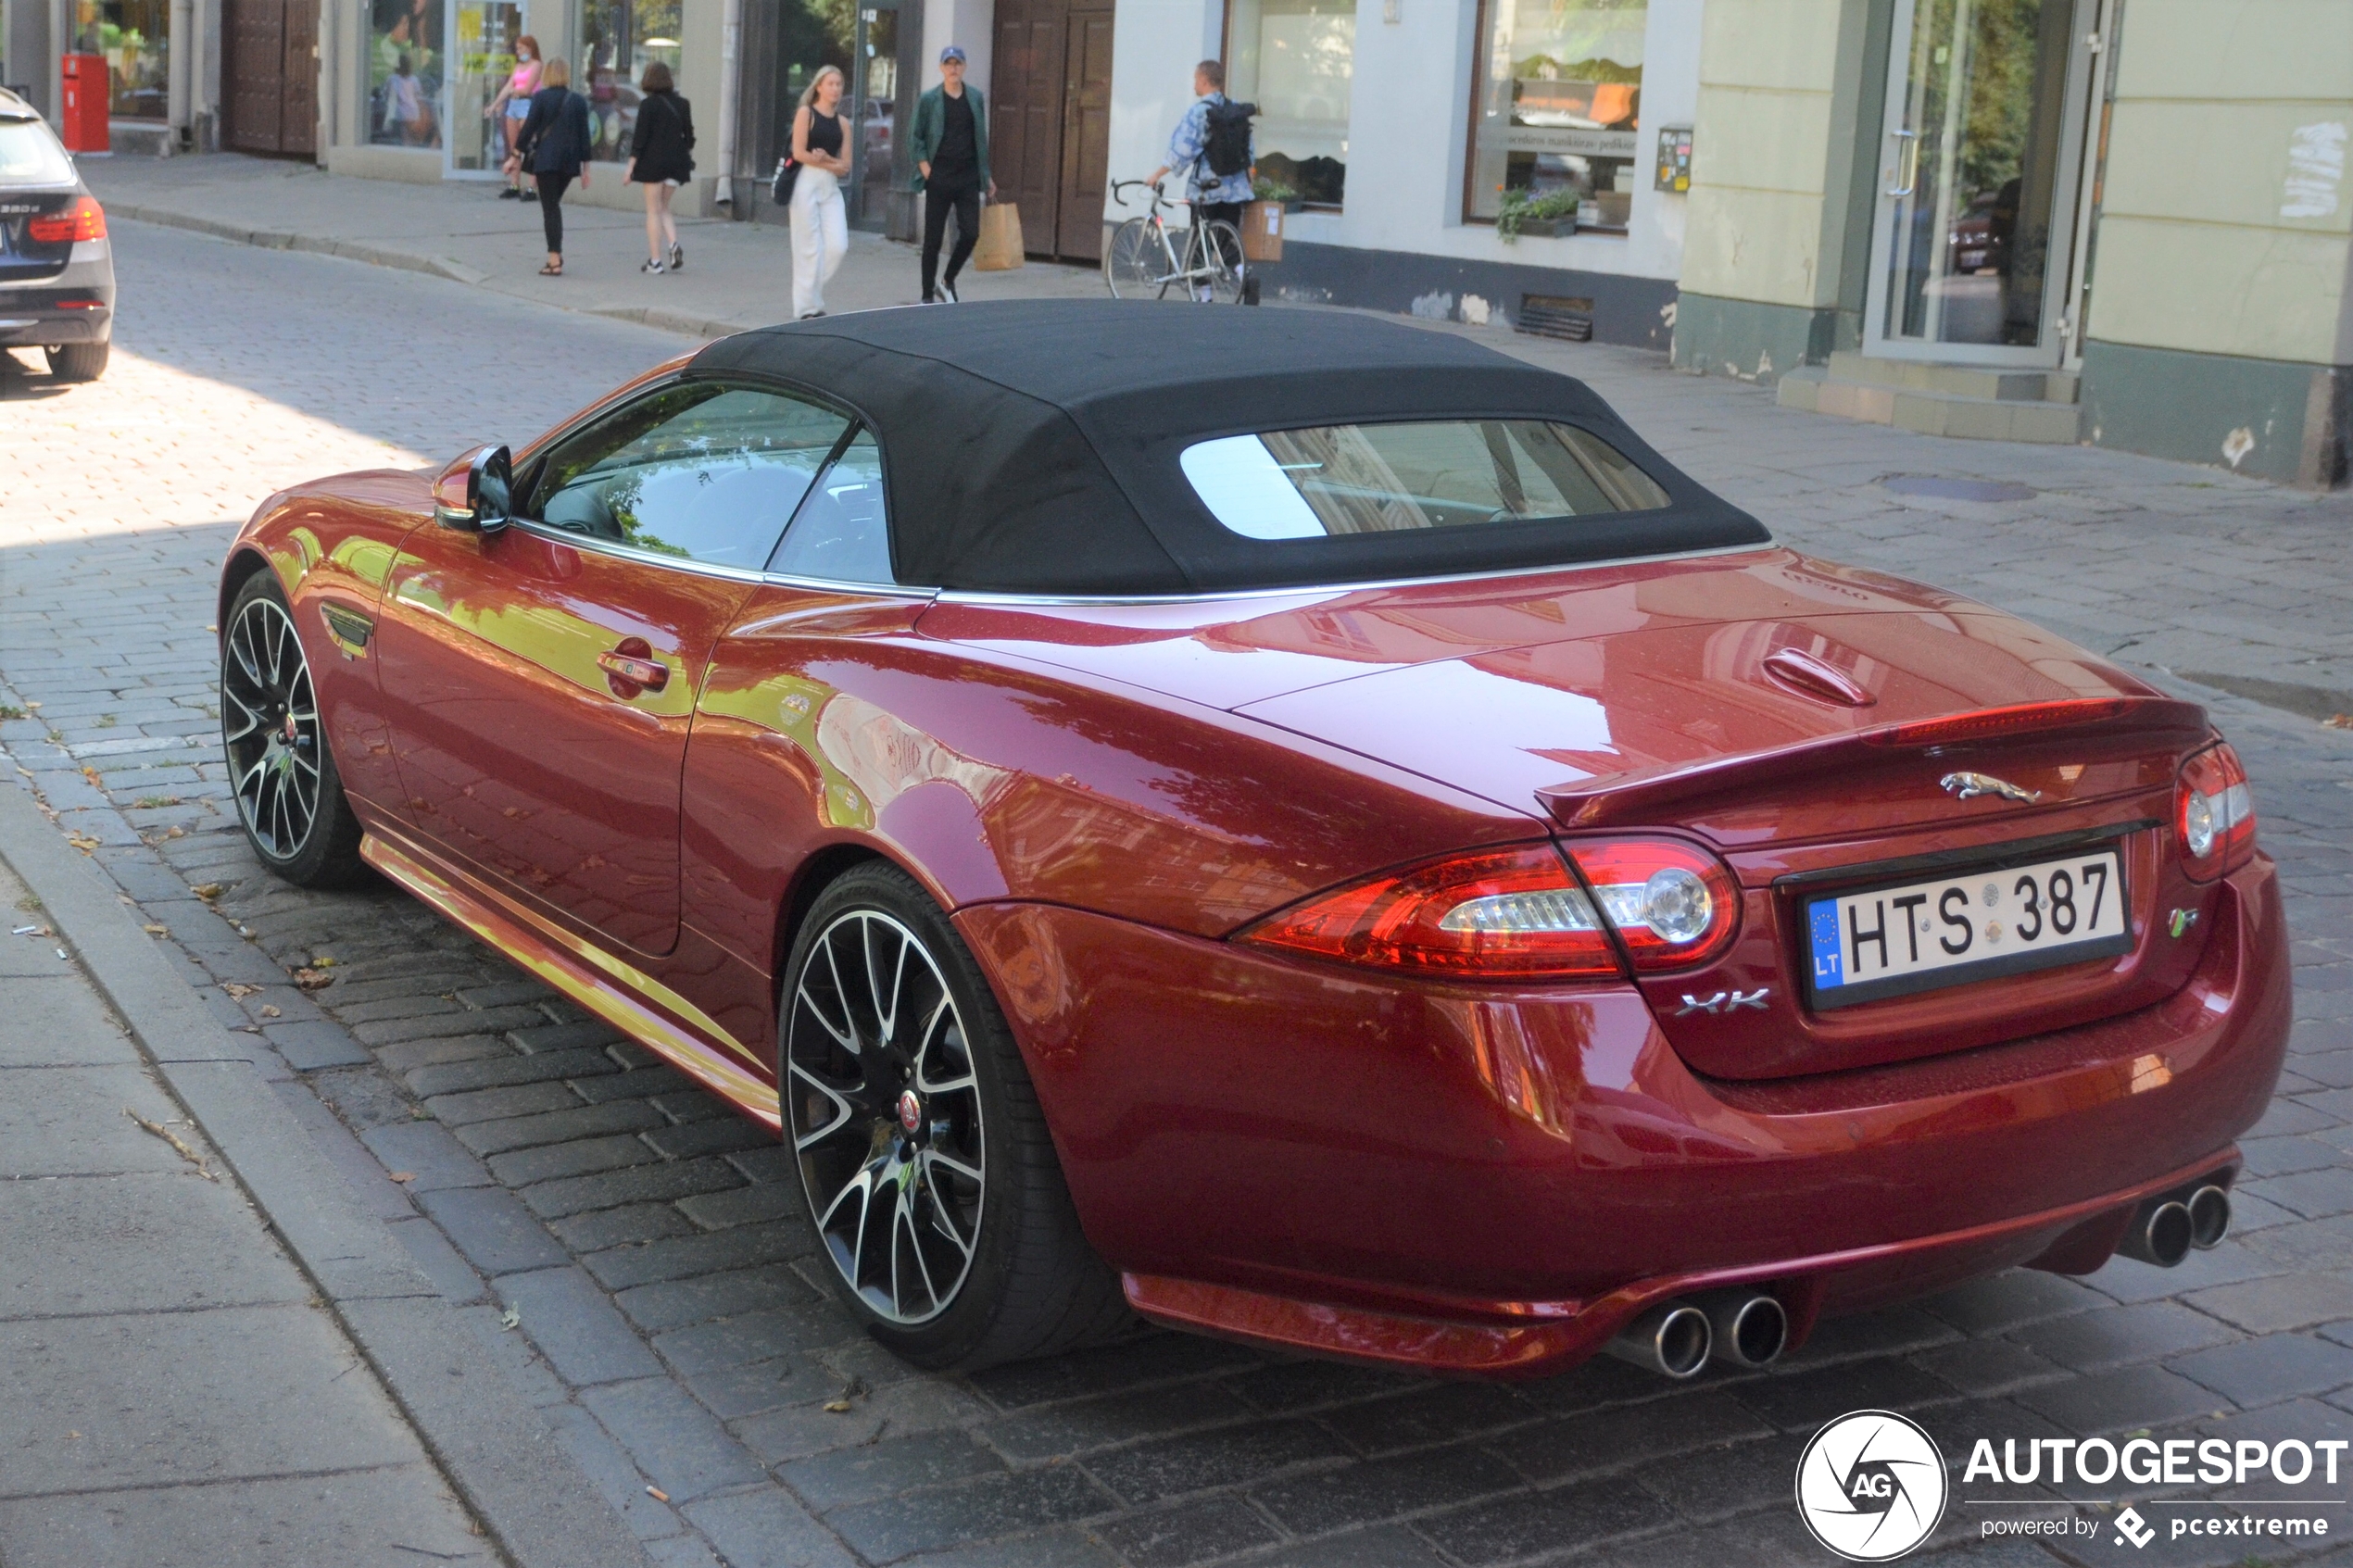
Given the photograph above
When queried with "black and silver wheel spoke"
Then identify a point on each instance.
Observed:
(883, 1110)
(269, 729)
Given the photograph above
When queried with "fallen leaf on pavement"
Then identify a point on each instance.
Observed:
(270, 1011)
(404, 1175)
(238, 988)
(2338, 721)
(167, 1135)
(511, 1317)
(175, 832)
(324, 960)
(207, 890)
(313, 979)
(82, 841)
(153, 930)
(839, 1404)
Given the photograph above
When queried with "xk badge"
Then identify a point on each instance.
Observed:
(1872, 1486)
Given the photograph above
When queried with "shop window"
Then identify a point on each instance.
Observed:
(404, 72)
(1295, 59)
(481, 60)
(619, 40)
(130, 34)
(1556, 104)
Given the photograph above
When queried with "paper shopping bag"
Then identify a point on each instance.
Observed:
(999, 250)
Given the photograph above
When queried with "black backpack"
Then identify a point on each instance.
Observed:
(1227, 151)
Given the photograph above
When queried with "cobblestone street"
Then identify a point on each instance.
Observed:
(673, 1327)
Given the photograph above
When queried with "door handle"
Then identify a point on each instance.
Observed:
(634, 667)
(1908, 160)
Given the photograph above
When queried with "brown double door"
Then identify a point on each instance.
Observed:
(272, 75)
(1050, 124)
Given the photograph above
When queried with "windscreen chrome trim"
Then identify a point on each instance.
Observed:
(1325, 590)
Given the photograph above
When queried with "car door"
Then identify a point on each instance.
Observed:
(540, 680)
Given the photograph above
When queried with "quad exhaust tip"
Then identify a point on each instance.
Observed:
(1677, 1339)
(2209, 1209)
(2162, 1233)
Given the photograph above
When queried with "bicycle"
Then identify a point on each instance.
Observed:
(1143, 260)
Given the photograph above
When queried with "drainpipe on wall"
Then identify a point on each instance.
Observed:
(60, 41)
(731, 34)
(181, 49)
(326, 52)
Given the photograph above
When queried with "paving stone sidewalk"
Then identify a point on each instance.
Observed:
(176, 1394)
(652, 1246)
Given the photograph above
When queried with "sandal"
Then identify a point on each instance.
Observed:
(555, 271)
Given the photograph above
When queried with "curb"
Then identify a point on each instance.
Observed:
(409, 261)
(493, 1447)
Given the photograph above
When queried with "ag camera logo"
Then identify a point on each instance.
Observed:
(1872, 1486)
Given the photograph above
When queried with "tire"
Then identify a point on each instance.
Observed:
(901, 1079)
(1134, 262)
(281, 774)
(1225, 263)
(78, 361)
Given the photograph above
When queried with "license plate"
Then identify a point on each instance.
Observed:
(1961, 926)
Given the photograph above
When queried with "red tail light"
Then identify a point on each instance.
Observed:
(2214, 813)
(86, 219)
(1987, 723)
(1672, 904)
(1520, 914)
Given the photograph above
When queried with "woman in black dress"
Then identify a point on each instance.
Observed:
(661, 159)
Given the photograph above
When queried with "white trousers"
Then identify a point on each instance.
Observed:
(819, 238)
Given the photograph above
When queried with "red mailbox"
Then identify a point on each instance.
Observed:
(88, 95)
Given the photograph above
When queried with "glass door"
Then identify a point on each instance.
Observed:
(480, 57)
(875, 110)
(1985, 115)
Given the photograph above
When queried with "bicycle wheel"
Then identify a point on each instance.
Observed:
(1224, 262)
(1133, 261)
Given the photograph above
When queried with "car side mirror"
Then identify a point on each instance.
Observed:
(475, 494)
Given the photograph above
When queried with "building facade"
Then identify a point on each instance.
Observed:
(2121, 221)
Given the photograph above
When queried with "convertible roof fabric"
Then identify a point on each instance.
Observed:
(1032, 446)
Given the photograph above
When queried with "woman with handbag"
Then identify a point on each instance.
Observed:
(810, 181)
(662, 158)
(554, 146)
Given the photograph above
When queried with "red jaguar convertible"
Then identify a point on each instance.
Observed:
(1290, 825)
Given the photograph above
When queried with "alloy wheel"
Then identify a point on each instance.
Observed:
(883, 1110)
(269, 728)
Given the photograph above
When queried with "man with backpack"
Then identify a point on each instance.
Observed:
(1213, 144)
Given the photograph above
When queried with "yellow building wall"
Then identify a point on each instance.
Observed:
(1760, 146)
(2226, 215)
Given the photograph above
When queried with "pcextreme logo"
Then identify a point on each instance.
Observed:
(1872, 1486)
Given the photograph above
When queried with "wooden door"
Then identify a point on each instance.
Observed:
(1026, 113)
(298, 119)
(1085, 140)
(256, 67)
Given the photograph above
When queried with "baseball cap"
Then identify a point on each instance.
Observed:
(954, 52)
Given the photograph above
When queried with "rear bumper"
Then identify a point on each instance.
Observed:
(1488, 1181)
(42, 313)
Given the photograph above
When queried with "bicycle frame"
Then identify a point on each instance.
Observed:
(1193, 268)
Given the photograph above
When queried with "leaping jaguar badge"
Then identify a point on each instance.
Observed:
(1968, 786)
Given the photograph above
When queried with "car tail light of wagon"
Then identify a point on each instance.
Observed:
(2214, 813)
(1524, 913)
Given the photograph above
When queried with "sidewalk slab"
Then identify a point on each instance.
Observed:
(738, 275)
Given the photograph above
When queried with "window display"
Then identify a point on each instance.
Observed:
(131, 35)
(1557, 106)
(1295, 59)
(481, 66)
(404, 72)
(619, 40)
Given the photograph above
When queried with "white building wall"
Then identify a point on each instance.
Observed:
(1154, 45)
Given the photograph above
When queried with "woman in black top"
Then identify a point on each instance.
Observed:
(554, 146)
(819, 227)
(662, 158)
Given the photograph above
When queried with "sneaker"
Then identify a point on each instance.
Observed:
(948, 293)
(509, 193)
(654, 266)
(677, 257)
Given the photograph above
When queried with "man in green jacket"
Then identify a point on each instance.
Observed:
(952, 170)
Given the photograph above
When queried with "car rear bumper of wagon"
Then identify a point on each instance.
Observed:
(1488, 1182)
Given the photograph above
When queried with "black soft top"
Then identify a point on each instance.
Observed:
(1031, 447)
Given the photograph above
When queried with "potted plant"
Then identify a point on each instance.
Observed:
(1265, 190)
(1552, 215)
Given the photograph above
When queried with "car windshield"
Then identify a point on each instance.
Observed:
(1331, 479)
(30, 156)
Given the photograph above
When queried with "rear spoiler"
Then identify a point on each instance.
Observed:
(1644, 795)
